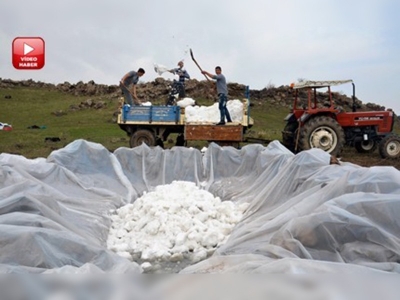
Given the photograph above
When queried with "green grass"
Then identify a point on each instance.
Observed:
(30, 106)
(268, 120)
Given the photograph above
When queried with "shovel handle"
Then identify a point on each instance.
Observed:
(191, 54)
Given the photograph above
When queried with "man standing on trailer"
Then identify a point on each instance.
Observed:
(183, 75)
(131, 78)
(222, 90)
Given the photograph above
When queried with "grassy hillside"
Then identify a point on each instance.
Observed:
(50, 110)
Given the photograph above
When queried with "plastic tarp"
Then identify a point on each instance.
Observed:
(305, 215)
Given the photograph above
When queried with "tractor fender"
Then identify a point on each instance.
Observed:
(290, 118)
(304, 118)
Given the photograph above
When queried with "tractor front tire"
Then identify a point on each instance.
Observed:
(322, 132)
(366, 146)
(142, 136)
(389, 146)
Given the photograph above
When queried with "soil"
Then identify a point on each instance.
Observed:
(367, 159)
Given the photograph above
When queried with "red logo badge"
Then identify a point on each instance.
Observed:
(28, 53)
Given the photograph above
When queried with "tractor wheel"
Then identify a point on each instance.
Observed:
(322, 132)
(366, 146)
(289, 136)
(389, 146)
(142, 136)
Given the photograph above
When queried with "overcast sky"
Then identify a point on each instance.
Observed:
(256, 42)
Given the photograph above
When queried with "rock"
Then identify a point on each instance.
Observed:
(59, 113)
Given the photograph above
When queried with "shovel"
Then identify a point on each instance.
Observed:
(191, 54)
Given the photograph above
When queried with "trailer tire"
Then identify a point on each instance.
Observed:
(142, 136)
(366, 146)
(389, 146)
(322, 132)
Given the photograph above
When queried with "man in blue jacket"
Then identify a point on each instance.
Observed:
(183, 75)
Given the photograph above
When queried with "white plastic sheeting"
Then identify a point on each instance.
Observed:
(305, 215)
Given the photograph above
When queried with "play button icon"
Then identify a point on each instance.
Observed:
(27, 49)
(28, 53)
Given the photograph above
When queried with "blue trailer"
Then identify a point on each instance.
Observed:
(153, 125)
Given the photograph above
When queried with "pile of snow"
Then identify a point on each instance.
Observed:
(211, 114)
(175, 225)
(185, 102)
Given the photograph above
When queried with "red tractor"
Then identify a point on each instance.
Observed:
(312, 124)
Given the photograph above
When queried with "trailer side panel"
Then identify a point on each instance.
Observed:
(229, 132)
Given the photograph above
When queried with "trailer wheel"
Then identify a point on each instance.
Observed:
(322, 132)
(142, 136)
(389, 147)
(366, 146)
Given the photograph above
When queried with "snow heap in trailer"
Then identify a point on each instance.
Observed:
(211, 114)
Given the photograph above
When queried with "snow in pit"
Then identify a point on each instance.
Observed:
(173, 226)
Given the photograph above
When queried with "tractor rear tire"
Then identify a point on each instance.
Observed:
(289, 136)
(389, 146)
(366, 146)
(322, 132)
(142, 136)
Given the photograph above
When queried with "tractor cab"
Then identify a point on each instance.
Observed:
(310, 100)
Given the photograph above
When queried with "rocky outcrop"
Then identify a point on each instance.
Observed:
(157, 91)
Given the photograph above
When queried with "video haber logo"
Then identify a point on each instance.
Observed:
(28, 53)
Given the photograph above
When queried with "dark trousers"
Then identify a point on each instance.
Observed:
(223, 110)
(180, 88)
